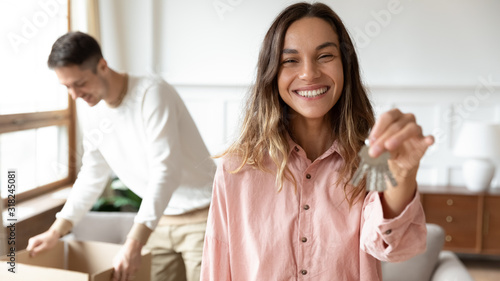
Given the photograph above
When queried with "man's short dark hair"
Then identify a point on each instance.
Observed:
(75, 48)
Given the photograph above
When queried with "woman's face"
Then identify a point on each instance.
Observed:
(311, 78)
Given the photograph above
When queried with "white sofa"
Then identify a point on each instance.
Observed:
(433, 265)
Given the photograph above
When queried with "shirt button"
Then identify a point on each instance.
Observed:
(308, 176)
(303, 272)
(388, 231)
(306, 207)
(304, 239)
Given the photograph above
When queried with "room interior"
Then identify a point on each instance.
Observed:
(437, 59)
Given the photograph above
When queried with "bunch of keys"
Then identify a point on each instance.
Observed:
(375, 169)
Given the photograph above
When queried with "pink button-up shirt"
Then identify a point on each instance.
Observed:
(257, 233)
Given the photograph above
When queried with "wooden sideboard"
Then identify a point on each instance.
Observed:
(471, 220)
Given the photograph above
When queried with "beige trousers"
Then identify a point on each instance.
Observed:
(177, 252)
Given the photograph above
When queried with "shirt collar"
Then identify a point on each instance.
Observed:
(293, 146)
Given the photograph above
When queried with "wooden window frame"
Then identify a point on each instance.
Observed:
(33, 120)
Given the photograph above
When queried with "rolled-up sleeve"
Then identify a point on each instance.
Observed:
(395, 239)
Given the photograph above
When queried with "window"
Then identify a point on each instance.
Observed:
(36, 114)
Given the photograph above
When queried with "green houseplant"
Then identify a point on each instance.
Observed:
(119, 198)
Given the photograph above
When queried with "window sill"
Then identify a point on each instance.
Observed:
(35, 206)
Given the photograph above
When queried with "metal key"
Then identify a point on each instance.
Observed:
(375, 169)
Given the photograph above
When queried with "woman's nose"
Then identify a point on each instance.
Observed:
(309, 71)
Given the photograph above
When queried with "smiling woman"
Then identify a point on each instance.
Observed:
(285, 180)
(36, 116)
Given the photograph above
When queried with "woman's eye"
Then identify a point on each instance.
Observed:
(288, 61)
(326, 57)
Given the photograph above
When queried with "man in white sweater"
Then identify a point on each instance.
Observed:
(139, 129)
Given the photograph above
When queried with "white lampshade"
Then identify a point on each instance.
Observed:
(478, 140)
(479, 143)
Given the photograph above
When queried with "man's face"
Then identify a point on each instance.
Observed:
(83, 83)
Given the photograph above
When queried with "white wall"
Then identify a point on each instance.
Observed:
(439, 59)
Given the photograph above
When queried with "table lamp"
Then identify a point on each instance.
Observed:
(479, 142)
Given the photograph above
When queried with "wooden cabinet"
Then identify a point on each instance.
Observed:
(471, 220)
(491, 225)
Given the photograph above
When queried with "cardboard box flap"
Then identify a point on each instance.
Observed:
(97, 259)
(73, 261)
(143, 273)
(105, 275)
(93, 257)
(25, 272)
(53, 258)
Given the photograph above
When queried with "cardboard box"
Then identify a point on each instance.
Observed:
(71, 260)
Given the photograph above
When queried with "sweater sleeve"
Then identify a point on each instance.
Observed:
(215, 263)
(160, 117)
(395, 239)
(89, 185)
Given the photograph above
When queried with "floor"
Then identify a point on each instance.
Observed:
(483, 270)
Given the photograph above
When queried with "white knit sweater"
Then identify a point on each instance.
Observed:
(152, 144)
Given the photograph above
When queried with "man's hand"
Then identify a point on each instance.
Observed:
(127, 261)
(42, 242)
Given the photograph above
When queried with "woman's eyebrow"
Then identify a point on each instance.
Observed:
(322, 46)
(327, 44)
(289, 51)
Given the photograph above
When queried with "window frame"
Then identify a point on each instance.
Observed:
(33, 120)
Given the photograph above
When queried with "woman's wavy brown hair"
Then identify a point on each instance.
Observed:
(266, 122)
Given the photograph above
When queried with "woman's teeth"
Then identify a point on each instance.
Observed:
(313, 93)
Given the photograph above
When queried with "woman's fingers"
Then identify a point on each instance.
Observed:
(391, 130)
(384, 121)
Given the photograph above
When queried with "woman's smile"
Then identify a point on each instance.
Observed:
(311, 93)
